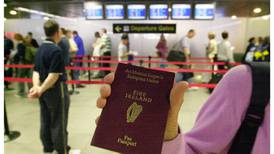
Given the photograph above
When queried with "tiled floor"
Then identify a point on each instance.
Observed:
(23, 115)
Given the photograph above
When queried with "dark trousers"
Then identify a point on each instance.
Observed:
(221, 67)
(76, 73)
(54, 118)
(104, 73)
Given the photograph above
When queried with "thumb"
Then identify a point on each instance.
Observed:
(177, 95)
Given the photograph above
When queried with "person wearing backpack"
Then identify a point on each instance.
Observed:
(228, 122)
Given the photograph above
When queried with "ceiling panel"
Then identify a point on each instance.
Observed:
(74, 8)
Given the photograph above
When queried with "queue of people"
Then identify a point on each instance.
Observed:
(20, 50)
(258, 49)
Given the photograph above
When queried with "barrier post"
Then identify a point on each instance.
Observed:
(73, 91)
(141, 62)
(9, 135)
(89, 73)
(149, 61)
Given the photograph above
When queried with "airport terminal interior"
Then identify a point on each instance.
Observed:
(101, 34)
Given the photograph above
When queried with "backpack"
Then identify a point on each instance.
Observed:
(244, 139)
(30, 54)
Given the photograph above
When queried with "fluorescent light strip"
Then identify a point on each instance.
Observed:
(42, 13)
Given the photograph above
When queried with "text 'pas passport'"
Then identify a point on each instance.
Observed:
(134, 119)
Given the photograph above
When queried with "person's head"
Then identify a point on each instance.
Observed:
(28, 40)
(30, 34)
(252, 40)
(63, 31)
(260, 40)
(225, 35)
(162, 37)
(211, 35)
(18, 37)
(191, 33)
(266, 40)
(124, 36)
(68, 34)
(52, 30)
(97, 35)
(103, 31)
(75, 33)
(124, 40)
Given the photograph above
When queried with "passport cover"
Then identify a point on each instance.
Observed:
(134, 118)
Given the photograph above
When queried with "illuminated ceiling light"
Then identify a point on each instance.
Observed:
(12, 12)
(169, 9)
(266, 17)
(234, 17)
(5, 5)
(46, 18)
(257, 10)
(43, 13)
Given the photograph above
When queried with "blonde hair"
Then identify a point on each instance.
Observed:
(211, 35)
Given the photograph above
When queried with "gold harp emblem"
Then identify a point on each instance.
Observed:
(133, 112)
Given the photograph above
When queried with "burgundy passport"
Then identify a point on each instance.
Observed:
(134, 119)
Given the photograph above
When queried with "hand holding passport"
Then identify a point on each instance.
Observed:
(134, 118)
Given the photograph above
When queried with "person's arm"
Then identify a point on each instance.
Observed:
(36, 79)
(187, 54)
(219, 118)
(230, 54)
(50, 81)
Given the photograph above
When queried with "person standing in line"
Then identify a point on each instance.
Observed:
(80, 54)
(64, 45)
(49, 86)
(33, 41)
(225, 53)
(249, 52)
(185, 43)
(30, 53)
(8, 47)
(19, 58)
(97, 50)
(184, 46)
(212, 47)
(106, 51)
(162, 49)
(123, 51)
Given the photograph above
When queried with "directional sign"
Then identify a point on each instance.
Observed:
(144, 28)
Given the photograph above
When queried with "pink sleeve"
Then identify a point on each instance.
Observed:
(219, 118)
(175, 146)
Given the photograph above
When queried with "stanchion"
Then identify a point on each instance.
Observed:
(141, 62)
(73, 91)
(89, 74)
(149, 61)
(9, 135)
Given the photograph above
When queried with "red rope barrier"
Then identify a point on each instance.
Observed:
(88, 56)
(114, 68)
(153, 61)
(29, 80)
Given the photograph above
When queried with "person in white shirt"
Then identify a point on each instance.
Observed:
(211, 47)
(97, 45)
(185, 43)
(123, 50)
(225, 53)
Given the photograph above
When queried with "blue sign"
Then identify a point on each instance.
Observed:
(115, 12)
(94, 13)
(204, 11)
(181, 11)
(158, 11)
(136, 12)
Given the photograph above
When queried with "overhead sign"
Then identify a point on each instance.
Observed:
(144, 28)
